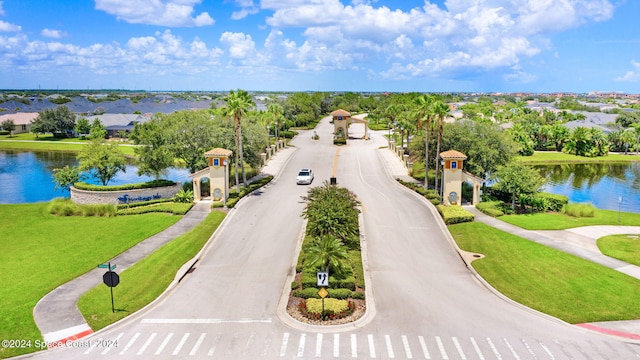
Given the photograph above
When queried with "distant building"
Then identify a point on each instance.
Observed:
(22, 121)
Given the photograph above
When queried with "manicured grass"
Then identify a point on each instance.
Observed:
(558, 221)
(622, 247)
(49, 143)
(146, 280)
(548, 280)
(41, 251)
(550, 157)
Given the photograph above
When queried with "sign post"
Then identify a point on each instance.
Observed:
(322, 281)
(111, 279)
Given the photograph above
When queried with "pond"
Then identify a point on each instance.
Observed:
(27, 176)
(601, 184)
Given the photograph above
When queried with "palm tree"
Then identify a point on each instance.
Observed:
(424, 113)
(441, 111)
(276, 110)
(328, 252)
(237, 104)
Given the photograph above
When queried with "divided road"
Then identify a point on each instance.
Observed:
(427, 304)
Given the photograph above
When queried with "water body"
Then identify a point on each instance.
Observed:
(27, 176)
(603, 185)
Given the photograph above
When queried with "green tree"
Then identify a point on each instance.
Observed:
(440, 112)
(423, 110)
(586, 142)
(628, 138)
(153, 154)
(106, 160)
(331, 210)
(237, 105)
(97, 130)
(67, 176)
(517, 179)
(9, 126)
(327, 252)
(83, 127)
(56, 121)
(276, 112)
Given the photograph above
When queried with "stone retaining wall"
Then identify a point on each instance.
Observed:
(123, 196)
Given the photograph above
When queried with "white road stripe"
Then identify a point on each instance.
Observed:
(387, 340)
(494, 349)
(407, 349)
(529, 349)
(513, 351)
(372, 347)
(146, 344)
(267, 345)
(443, 352)
(546, 349)
(212, 350)
(459, 348)
(195, 348)
(354, 346)
(477, 348)
(164, 344)
(283, 347)
(336, 345)
(113, 342)
(423, 345)
(319, 344)
(181, 344)
(203, 321)
(93, 346)
(130, 343)
(303, 338)
(247, 346)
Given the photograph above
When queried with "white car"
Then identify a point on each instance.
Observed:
(305, 176)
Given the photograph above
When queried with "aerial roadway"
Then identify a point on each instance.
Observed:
(423, 301)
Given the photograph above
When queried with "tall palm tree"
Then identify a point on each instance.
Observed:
(441, 111)
(237, 104)
(424, 112)
(276, 111)
(328, 252)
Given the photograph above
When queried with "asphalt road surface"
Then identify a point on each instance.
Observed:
(426, 303)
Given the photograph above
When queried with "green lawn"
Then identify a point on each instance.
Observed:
(49, 143)
(41, 251)
(558, 221)
(145, 281)
(622, 247)
(550, 157)
(548, 280)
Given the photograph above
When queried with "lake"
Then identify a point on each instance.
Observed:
(27, 176)
(598, 183)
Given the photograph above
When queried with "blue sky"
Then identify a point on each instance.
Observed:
(322, 45)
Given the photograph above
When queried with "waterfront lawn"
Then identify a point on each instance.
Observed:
(621, 247)
(548, 280)
(45, 142)
(146, 280)
(558, 221)
(41, 251)
(551, 157)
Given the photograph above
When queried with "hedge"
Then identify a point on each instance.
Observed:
(144, 185)
(555, 202)
(454, 214)
(491, 208)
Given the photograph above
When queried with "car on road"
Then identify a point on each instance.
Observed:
(305, 176)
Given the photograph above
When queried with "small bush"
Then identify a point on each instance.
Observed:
(579, 210)
(232, 202)
(144, 185)
(164, 207)
(454, 214)
(217, 204)
(184, 196)
(333, 308)
(339, 141)
(66, 207)
(491, 208)
(555, 202)
(307, 293)
(295, 285)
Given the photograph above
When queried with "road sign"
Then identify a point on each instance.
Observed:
(107, 266)
(111, 279)
(323, 293)
(323, 278)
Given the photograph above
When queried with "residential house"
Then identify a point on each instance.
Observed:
(21, 120)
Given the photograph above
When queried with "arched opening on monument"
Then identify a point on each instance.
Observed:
(357, 130)
(205, 187)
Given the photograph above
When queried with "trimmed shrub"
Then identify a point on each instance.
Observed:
(66, 207)
(142, 203)
(454, 214)
(144, 185)
(165, 207)
(307, 293)
(232, 202)
(491, 208)
(333, 308)
(295, 285)
(555, 202)
(339, 141)
(340, 293)
(579, 210)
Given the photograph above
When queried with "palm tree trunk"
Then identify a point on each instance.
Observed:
(437, 154)
(237, 156)
(426, 156)
(244, 176)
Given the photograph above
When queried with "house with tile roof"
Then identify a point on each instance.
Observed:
(21, 120)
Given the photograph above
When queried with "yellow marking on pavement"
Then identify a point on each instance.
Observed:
(335, 163)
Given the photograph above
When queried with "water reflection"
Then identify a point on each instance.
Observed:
(599, 183)
(27, 176)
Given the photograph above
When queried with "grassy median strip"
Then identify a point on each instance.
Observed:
(146, 280)
(41, 251)
(553, 282)
(558, 221)
(621, 247)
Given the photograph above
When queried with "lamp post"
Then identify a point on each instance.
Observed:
(389, 131)
(277, 131)
(442, 181)
(402, 137)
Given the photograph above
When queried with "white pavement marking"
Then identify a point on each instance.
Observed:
(459, 348)
(477, 348)
(130, 343)
(494, 349)
(212, 350)
(267, 345)
(180, 344)
(93, 346)
(319, 345)
(198, 344)
(387, 340)
(111, 344)
(354, 346)
(407, 349)
(204, 321)
(336, 345)
(283, 347)
(443, 352)
(546, 349)
(372, 347)
(59, 335)
(146, 344)
(164, 344)
(303, 338)
(526, 345)
(513, 351)
(423, 345)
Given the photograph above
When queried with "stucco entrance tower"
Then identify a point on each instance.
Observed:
(341, 121)
(218, 174)
(453, 176)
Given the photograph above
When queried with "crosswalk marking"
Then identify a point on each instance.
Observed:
(115, 341)
(477, 349)
(303, 338)
(247, 346)
(336, 345)
(407, 349)
(212, 350)
(181, 344)
(494, 349)
(354, 346)
(423, 345)
(546, 349)
(372, 347)
(164, 344)
(146, 344)
(130, 343)
(513, 352)
(459, 348)
(319, 345)
(443, 352)
(387, 340)
(283, 347)
(195, 348)
(526, 345)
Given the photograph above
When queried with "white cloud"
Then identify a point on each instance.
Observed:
(240, 45)
(54, 34)
(631, 75)
(8, 27)
(172, 13)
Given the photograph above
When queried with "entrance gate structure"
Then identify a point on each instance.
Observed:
(218, 174)
(341, 121)
(453, 176)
